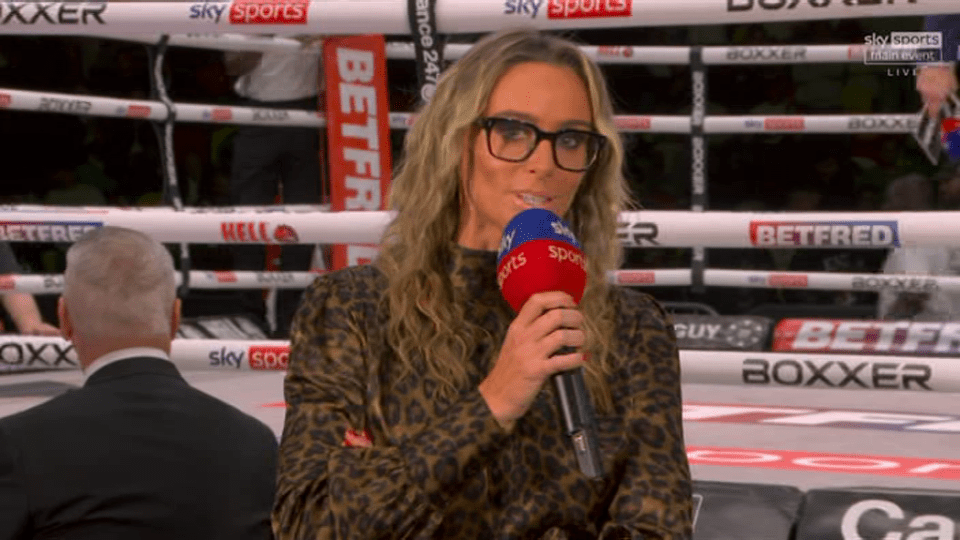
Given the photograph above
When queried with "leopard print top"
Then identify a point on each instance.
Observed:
(444, 468)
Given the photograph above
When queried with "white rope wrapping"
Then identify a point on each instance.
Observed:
(453, 16)
(757, 279)
(27, 100)
(840, 371)
(647, 228)
(603, 54)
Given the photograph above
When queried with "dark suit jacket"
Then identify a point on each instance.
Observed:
(950, 26)
(136, 454)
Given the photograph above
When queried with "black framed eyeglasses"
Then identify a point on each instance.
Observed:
(513, 140)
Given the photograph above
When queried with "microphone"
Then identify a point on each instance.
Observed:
(538, 252)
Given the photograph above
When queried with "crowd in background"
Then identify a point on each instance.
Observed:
(76, 160)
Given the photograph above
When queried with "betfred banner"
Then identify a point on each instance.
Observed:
(867, 337)
(358, 132)
(884, 514)
(727, 511)
(722, 332)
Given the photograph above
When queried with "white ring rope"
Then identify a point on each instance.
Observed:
(603, 54)
(840, 371)
(453, 16)
(667, 277)
(27, 100)
(647, 228)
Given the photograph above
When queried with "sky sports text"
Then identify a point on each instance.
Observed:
(569, 9)
(903, 49)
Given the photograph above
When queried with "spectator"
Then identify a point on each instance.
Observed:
(22, 307)
(276, 161)
(937, 81)
(918, 303)
(136, 452)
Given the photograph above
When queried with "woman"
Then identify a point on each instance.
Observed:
(416, 399)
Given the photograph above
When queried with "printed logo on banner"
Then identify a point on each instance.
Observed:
(45, 231)
(218, 114)
(39, 355)
(638, 233)
(285, 234)
(861, 518)
(883, 123)
(522, 7)
(634, 122)
(589, 9)
(137, 111)
(636, 277)
(224, 276)
(837, 374)
(825, 233)
(226, 358)
(788, 280)
(269, 12)
(765, 54)
(614, 51)
(268, 357)
(274, 115)
(246, 231)
(357, 124)
(76, 106)
(5, 100)
(902, 283)
(783, 124)
(208, 10)
(868, 337)
(748, 5)
(66, 13)
(811, 417)
(815, 461)
(53, 283)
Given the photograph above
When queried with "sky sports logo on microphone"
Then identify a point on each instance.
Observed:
(824, 233)
(538, 252)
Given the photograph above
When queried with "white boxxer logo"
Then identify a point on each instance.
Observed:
(924, 527)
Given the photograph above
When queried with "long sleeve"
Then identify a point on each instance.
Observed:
(14, 518)
(653, 500)
(328, 491)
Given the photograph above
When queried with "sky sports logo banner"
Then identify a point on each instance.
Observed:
(903, 48)
(252, 11)
(569, 9)
(825, 233)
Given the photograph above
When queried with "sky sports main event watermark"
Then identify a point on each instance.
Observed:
(899, 49)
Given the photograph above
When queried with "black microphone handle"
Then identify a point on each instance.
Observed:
(578, 418)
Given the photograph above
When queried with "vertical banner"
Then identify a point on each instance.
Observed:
(358, 132)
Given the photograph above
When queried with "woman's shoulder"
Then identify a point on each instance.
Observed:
(639, 308)
(354, 285)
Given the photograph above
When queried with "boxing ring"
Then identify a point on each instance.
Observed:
(815, 419)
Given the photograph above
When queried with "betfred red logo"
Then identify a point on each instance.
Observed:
(589, 9)
(7, 283)
(268, 12)
(5, 100)
(269, 358)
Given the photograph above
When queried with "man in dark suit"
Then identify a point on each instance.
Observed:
(136, 452)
